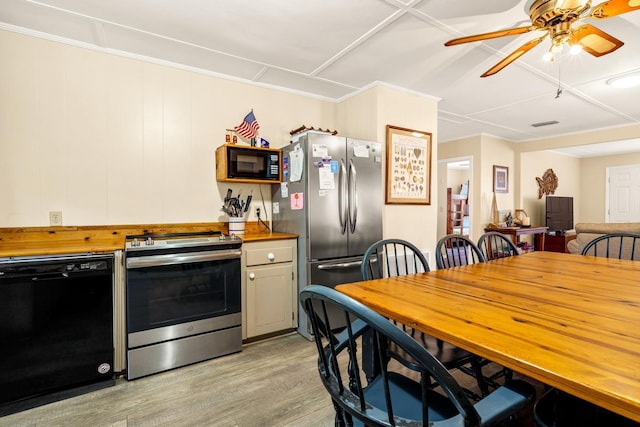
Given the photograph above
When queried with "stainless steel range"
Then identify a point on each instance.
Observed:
(183, 300)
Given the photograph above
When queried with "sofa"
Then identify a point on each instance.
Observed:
(587, 231)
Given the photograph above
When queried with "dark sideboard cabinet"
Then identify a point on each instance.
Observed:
(557, 243)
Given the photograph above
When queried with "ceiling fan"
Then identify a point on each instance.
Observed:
(556, 18)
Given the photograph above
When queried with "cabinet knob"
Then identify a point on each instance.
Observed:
(271, 256)
(252, 276)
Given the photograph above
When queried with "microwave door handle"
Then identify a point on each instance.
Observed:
(353, 196)
(342, 196)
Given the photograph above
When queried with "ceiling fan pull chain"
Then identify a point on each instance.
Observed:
(559, 91)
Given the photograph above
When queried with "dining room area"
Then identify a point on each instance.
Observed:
(563, 324)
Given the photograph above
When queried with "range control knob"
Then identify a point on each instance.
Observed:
(149, 241)
(135, 242)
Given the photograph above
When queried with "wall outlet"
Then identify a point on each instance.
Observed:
(55, 218)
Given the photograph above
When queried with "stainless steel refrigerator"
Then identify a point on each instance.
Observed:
(331, 196)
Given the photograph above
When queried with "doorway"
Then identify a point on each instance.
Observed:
(623, 194)
(454, 184)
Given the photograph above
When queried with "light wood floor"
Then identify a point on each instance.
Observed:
(270, 383)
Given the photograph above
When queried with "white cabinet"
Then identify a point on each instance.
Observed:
(270, 300)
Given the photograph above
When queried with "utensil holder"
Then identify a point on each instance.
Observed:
(236, 225)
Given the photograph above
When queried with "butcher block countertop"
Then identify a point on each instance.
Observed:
(26, 241)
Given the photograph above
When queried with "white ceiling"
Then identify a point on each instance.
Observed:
(333, 48)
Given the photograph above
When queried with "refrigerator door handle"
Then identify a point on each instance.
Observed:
(342, 202)
(340, 265)
(353, 196)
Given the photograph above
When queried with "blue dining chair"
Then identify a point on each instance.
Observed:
(615, 245)
(397, 257)
(401, 393)
(392, 257)
(454, 250)
(494, 245)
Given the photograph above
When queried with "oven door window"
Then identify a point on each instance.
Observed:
(167, 295)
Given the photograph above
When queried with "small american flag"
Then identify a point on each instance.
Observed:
(249, 126)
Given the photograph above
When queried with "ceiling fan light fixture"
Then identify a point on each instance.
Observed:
(575, 49)
(556, 47)
(557, 18)
(625, 82)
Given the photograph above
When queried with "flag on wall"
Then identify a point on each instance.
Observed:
(249, 126)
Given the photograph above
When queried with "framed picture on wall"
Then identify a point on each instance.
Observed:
(408, 166)
(500, 179)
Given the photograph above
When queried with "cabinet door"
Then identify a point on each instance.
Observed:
(269, 305)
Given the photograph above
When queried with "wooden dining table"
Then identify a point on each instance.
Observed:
(569, 321)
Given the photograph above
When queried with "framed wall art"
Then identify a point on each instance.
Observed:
(500, 179)
(408, 166)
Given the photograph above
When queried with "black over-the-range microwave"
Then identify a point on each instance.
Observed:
(238, 163)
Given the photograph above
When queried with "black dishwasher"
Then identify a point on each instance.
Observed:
(56, 328)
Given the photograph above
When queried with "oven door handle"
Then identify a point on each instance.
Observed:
(182, 258)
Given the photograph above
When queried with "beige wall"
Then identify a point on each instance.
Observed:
(456, 178)
(593, 184)
(533, 165)
(113, 140)
(485, 152)
(416, 223)
(584, 138)
(589, 181)
(584, 179)
(497, 152)
(357, 117)
(468, 148)
(366, 116)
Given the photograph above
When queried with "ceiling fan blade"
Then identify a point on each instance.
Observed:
(594, 41)
(491, 35)
(613, 8)
(513, 56)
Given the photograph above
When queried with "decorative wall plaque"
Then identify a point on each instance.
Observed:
(547, 184)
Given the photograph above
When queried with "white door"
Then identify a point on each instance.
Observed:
(624, 194)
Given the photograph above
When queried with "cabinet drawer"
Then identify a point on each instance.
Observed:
(269, 255)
